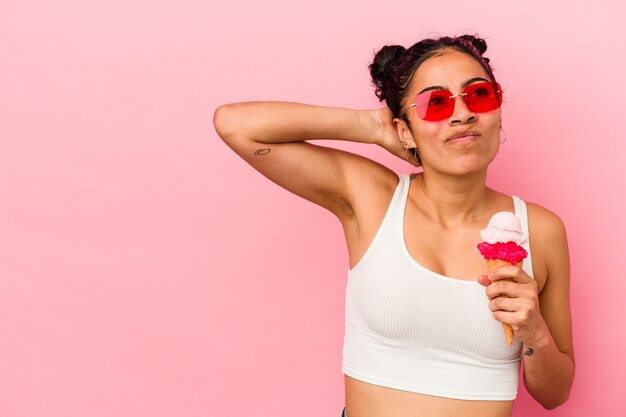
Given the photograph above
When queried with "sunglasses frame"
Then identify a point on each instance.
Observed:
(497, 90)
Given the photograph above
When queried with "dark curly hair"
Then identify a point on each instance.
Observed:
(393, 66)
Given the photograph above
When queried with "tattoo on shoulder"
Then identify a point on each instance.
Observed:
(529, 352)
(262, 151)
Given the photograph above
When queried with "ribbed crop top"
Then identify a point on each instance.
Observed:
(412, 329)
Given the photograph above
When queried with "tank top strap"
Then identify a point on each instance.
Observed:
(522, 214)
(398, 205)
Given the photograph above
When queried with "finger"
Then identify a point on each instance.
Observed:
(504, 304)
(506, 317)
(484, 280)
(513, 272)
(504, 288)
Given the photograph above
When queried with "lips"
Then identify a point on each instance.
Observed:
(463, 134)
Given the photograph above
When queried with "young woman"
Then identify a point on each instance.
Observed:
(423, 332)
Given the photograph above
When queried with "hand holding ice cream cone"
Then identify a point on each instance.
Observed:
(501, 246)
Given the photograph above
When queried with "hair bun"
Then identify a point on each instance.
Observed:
(478, 43)
(381, 69)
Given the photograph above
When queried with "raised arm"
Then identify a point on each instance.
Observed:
(271, 137)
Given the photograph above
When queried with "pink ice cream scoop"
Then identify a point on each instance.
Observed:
(503, 237)
(504, 227)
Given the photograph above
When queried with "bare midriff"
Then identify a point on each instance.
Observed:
(368, 400)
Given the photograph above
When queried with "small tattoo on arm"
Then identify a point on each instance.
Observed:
(262, 151)
(529, 352)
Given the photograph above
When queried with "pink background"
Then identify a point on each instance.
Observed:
(145, 270)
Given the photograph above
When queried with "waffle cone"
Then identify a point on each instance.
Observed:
(492, 265)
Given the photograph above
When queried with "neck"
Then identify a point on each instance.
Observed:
(452, 200)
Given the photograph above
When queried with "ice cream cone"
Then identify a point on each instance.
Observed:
(492, 265)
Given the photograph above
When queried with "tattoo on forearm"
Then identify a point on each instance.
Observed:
(262, 151)
(529, 352)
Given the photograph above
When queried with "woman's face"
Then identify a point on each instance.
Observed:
(438, 149)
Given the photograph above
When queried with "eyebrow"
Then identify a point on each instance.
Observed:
(465, 84)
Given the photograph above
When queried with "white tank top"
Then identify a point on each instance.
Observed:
(412, 329)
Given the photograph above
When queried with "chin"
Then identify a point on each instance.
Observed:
(469, 166)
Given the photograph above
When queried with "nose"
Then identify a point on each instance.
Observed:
(461, 114)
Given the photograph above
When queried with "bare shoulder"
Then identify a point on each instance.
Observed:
(545, 226)
(548, 243)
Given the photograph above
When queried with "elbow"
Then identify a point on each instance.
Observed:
(231, 124)
(554, 403)
(551, 397)
(555, 400)
(229, 121)
(223, 121)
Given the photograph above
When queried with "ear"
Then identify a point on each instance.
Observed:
(404, 133)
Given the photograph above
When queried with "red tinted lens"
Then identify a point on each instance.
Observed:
(479, 98)
(483, 97)
(434, 105)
